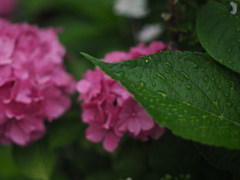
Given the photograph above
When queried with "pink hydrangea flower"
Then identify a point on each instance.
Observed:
(109, 109)
(33, 83)
(7, 7)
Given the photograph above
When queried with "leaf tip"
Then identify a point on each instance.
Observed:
(90, 58)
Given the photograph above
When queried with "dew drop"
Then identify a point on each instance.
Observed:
(162, 94)
(206, 79)
(212, 78)
(154, 84)
(167, 71)
(220, 60)
(174, 80)
(120, 74)
(146, 61)
(142, 84)
(229, 104)
(185, 75)
(169, 64)
(195, 66)
(139, 75)
(189, 87)
(162, 77)
(227, 94)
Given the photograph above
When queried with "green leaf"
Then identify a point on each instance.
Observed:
(35, 161)
(219, 33)
(189, 93)
(222, 158)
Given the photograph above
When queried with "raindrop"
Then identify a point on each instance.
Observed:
(167, 71)
(227, 94)
(206, 79)
(174, 80)
(195, 66)
(229, 104)
(189, 87)
(169, 64)
(185, 75)
(146, 61)
(152, 107)
(120, 74)
(139, 75)
(142, 84)
(162, 76)
(212, 78)
(154, 84)
(162, 93)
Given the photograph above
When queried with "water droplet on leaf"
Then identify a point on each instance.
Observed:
(189, 87)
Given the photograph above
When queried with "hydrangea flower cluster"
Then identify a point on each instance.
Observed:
(7, 7)
(110, 109)
(33, 82)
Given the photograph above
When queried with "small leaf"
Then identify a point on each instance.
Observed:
(189, 93)
(219, 33)
(35, 161)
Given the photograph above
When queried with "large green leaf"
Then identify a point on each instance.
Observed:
(219, 33)
(187, 92)
(36, 161)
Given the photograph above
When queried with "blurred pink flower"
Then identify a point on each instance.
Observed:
(109, 109)
(7, 7)
(33, 82)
